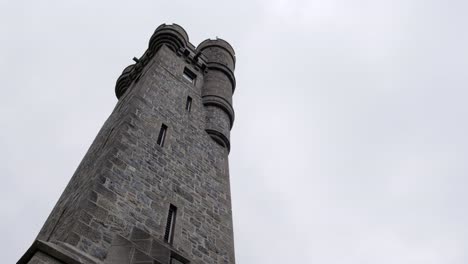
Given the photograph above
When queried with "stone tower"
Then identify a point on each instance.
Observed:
(154, 185)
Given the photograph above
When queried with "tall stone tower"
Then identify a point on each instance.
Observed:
(154, 185)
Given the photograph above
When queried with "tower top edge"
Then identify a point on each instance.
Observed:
(176, 27)
(218, 42)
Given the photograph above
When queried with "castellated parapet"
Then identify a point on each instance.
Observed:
(154, 185)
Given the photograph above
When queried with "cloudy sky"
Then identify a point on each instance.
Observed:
(350, 142)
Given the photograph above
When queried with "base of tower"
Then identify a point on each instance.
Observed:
(42, 252)
(140, 249)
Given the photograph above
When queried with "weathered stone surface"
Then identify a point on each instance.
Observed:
(41, 258)
(126, 182)
(53, 253)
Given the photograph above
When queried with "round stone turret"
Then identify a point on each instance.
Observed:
(219, 51)
(173, 36)
(124, 81)
(218, 87)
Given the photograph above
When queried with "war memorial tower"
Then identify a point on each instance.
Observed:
(153, 187)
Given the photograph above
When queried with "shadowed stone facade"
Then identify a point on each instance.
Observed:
(115, 208)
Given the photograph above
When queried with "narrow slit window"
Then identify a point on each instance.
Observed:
(189, 75)
(162, 135)
(188, 104)
(176, 261)
(171, 218)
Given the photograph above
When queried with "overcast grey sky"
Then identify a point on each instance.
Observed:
(350, 142)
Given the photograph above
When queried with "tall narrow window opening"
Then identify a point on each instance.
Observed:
(171, 218)
(176, 261)
(189, 75)
(162, 135)
(188, 105)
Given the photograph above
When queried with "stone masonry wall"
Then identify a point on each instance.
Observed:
(128, 181)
